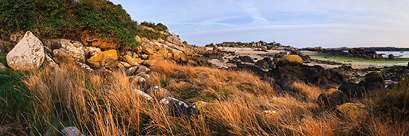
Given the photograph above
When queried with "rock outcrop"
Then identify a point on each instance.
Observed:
(177, 107)
(332, 97)
(27, 54)
(290, 60)
(373, 82)
(104, 59)
(70, 48)
(71, 131)
(3, 48)
(2, 67)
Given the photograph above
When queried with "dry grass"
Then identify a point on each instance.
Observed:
(309, 90)
(238, 101)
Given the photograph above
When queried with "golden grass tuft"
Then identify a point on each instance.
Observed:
(309, 90)
(237, 107)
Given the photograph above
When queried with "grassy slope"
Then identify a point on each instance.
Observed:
(348, 59)
(237, 103)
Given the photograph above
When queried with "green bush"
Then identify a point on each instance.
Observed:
(69, 19)
(157, 27)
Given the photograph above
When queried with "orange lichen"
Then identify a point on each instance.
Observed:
(97, 60)
(292, 59)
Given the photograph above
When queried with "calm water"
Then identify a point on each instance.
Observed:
(404, 54)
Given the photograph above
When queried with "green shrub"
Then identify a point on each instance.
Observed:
(157, 27)
(69, 19)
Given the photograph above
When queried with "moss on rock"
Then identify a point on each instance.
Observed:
(292, 60)
(352, 110)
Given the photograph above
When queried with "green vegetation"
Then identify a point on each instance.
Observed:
(350, 59)
(14, 99)
(3, 59)
(72, 19)
(157, 27)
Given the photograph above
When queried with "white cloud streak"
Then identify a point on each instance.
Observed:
(294, 22)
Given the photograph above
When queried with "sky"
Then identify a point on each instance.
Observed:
(298, 23)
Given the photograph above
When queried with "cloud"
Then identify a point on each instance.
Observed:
(253, 11)
(294, 22)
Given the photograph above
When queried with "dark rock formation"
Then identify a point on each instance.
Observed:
(246, 59)
(315, 75)
(373, 81)
(390, 56)
(265, 63)
(332, 98)
(213, 55)
(349, 88)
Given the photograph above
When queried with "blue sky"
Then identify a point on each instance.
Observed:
(299, 23)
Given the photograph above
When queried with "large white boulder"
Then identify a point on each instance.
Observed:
(27, 54)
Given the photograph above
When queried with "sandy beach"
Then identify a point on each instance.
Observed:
(356, 65)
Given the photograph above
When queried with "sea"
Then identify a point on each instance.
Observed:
(399, 54)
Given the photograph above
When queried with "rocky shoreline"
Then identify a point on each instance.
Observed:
(282, 70)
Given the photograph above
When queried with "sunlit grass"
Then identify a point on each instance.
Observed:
(236, 104)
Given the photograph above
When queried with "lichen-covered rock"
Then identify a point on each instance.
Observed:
(147, 50)
(144, 56)
(180, 57)
(148, 63)
(200, 109)
(402, 88)
(50, 62)
(396, 101)
(213, 54)
(143, 68)
(71, 131)
(122, 64)
(144, 75)
(27, 54)
(160, 40)
(136, 79)
(2, 67)
(352, 110)
(176, 107)
(332, 97)
(174, 39)
(143, 94)
(290, 60)
(91, 51)
(192, 62)
(98, 42)
(133, 61)
(137, 69)
(73, 49)
(85, 67)
(104, 59)
(158, 92)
